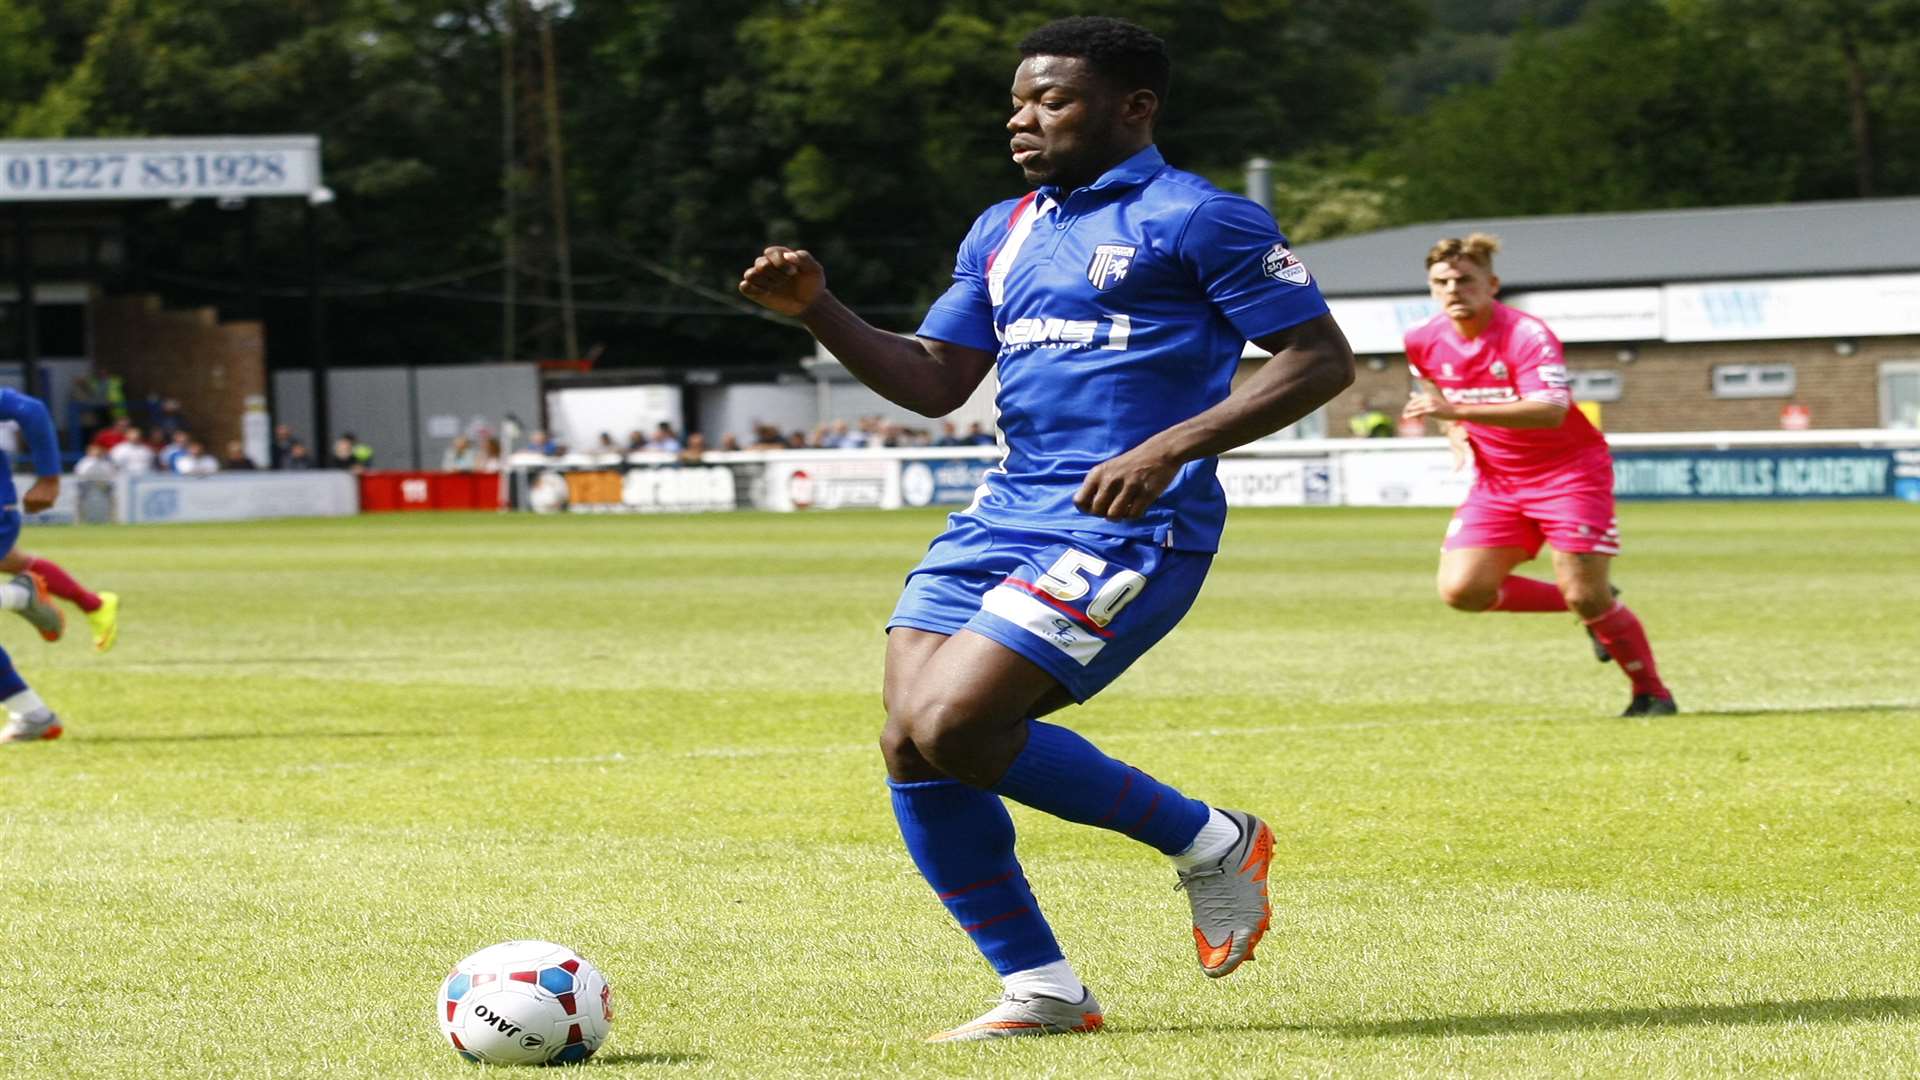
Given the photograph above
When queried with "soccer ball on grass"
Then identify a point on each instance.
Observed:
(525, 1003)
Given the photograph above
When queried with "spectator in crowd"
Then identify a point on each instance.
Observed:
(542, 443)
(978, 435)
(94, 465)
(351, 454)
(606, 445)
(298, 457)
(491, 458)
(664, 439)
(169, 455)
(283, 441)
(169, 419)
(1370, 421)
(194, 460)
(729, 442)
(131, 454)
(695, 449)
(109, 437)
(636, 441)
(236, 457)
(949, 434)
(459, 456)
(797, 440)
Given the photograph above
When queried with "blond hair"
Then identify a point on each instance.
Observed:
(1477, 247)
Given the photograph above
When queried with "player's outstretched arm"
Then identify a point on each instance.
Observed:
(1311, 364)
(1510, 414)
(932, 378)
(42, 443)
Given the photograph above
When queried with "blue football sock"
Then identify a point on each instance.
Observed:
(1067, 776)
(10, 681)
(961, 838)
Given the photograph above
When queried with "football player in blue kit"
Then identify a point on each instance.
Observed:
(1113, 303)
(28, 718)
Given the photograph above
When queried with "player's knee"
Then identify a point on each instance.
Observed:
(1589, 604)
(1466, 594)
(942, 732)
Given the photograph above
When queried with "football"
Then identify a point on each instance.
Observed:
(525, 1003)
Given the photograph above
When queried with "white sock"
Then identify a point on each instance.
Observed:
(14, 597)
(25, 705)
(1216, 836)
(1056, 980)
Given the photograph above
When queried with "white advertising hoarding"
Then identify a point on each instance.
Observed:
(1809, 307)
(1402, 478)
(1283, 481)
(239, 496)
(68, 170)
(834, 483)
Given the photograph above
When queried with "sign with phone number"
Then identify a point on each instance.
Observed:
(79, 169)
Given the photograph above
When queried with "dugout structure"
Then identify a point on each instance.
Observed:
(72, 208)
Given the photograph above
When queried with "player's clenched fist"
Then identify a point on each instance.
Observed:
(786, 280)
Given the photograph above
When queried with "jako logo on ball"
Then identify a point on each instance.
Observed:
(525, 1003)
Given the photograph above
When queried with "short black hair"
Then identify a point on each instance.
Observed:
(1130, 56)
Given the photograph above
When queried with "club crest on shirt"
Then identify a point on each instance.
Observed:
(1446, 370)
(1109, 265)
(1499, 369)
(1283, 265)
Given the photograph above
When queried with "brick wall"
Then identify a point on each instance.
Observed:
(211, 366)
(1669, 387)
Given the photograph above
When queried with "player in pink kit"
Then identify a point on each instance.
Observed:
(1499, 380)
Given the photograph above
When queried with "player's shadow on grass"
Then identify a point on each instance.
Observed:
(668, 1058)
(238, 736)
(1810, 1010)
(1804, 710)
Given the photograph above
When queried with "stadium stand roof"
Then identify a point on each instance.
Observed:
(1862, 236)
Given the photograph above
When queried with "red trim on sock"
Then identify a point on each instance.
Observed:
(1620, 631)
(62, 585)
(1525, 594)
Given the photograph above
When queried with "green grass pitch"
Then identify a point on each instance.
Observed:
(327, 760)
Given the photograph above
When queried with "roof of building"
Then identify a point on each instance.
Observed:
(1861, 236)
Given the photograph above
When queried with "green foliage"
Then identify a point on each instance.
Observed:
(328, 759)
(872, 131)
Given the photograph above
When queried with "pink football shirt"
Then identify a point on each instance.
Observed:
(1516, 358)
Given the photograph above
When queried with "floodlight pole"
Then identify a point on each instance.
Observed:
(29, 316)
(316, 332)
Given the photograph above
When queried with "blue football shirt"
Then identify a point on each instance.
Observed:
(43, 446)
(1115, 312)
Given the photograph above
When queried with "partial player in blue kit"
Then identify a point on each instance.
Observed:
(28, 718)
(1112, 303)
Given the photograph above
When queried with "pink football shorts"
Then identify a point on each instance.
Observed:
(1575, 519)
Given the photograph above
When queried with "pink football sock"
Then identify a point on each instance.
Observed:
(1620, 631)
(61, 584)
(1528, 594)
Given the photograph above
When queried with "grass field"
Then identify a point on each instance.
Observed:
(328, 760)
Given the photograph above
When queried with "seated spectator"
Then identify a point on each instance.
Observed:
(542, 443)
(979, 436)
(949, 434)
(236, 457)
(131, 455)
(195, 461)
(636, 441)
(798, 440)
(664, 439)
(283, 441)
(729, 443)
(606, 445)
(459, 456)
(695, 449)
(110, 437)
(351, 454)
(298, 458)
(490, 458)
(94, 465)
(170, 454)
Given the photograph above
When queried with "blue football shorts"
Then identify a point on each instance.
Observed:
(1081, 605)
(9, 530)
